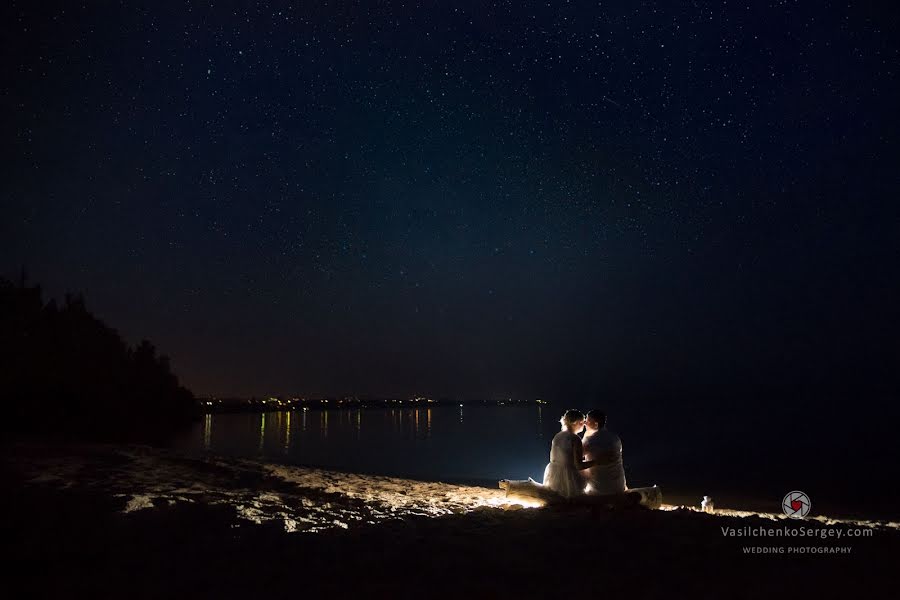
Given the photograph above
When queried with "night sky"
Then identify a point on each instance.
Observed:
(563, 200)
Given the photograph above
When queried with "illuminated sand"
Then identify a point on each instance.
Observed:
(117, 521)
(302, 499)
(299, 499)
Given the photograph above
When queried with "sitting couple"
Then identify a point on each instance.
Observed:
(589, 466)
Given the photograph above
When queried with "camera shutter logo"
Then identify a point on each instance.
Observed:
(796, 504)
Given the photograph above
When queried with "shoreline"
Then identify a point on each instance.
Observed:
(149, 474)
(108, 520)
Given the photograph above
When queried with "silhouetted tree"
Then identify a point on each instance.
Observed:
(64, 370)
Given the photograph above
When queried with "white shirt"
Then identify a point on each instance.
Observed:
(607, 478)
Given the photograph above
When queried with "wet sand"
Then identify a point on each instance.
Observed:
(117, 521)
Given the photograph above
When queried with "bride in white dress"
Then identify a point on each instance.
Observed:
(567, 458)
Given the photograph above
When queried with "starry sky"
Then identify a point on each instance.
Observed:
(623, 199)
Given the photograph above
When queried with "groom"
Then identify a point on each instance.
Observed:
(604, 447)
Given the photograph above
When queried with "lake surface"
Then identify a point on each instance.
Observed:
(473, 444)
(446, 442)
(483, 444)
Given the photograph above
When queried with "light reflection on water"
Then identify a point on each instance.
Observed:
(482, 444)
(477, 444)
(469, 443)
(207, 431)
(262, 431)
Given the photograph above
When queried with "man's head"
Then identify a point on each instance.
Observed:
(596, 419)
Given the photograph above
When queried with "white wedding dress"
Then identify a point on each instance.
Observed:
(561, 476)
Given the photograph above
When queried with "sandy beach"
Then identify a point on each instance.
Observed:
(111, 521)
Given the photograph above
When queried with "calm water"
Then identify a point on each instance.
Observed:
(473, 444)
(450, 443)
(482, 444)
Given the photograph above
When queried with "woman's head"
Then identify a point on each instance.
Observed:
(573, 420)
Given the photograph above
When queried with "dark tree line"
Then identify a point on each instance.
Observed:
(62, 370)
